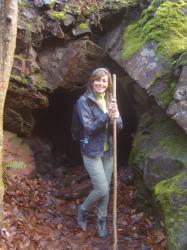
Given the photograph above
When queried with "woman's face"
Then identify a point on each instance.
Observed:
(100, 85)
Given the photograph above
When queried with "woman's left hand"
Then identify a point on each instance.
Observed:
(113, 109)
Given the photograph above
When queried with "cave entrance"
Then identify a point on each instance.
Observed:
(53, 124)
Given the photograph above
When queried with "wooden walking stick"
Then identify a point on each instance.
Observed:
(115, 171)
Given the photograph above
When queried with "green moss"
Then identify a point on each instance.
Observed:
(166, 95)
(139, 153)
(57, 15)
(165, 192)
(117, 5)
(166, 25)
(163, 94)
(40, 82)
(24, 80)
(165, 98)
(157, 135)
(167, 188)
(83, 26)
(176, 145)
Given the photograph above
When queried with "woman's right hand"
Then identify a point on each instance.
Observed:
(113, 111)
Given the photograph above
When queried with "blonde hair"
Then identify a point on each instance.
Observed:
(96, 75)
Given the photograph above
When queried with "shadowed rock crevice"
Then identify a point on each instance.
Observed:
(53, 125)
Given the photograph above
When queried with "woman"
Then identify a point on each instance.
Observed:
(96, 109)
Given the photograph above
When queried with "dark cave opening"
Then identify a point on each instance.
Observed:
(53, 124)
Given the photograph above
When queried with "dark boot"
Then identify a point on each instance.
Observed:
(101, 225)
(82, 218)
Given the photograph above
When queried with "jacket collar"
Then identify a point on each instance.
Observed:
(91, 96)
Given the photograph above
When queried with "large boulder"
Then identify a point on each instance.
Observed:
(69, 67)
(159, 148)
(178, 107)
(21, 99)
(149, 52)
(158, 156)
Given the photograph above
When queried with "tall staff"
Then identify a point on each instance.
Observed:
(115, 170)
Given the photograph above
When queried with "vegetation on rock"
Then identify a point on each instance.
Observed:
(161, 134)
(57, 15)
(163, 22)
(171, 195)
(160, 138)
(165, 95)
(83, 26)
(119, 4)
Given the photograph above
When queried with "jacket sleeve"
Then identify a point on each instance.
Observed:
(91, 125)
(119, 123)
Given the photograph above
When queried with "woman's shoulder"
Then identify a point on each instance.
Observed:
(82, 99)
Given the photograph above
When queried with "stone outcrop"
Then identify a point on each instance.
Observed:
(159, 155)
(159, 146)
(70, 67)
(153, 71)
(47, 58)
(178, 107)
(171, 197)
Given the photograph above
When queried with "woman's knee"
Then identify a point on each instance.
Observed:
(103, 190)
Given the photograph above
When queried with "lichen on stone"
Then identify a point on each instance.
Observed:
(40, 82)
(57, 15)
(20, 79)
(164, 23)
(83, 26)
(170, 194)
(163, 88)
(158, 133)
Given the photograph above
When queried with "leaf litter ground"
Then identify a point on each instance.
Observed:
(42, 215)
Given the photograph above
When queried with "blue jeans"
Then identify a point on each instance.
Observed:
(100, 171)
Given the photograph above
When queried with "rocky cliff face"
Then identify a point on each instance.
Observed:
(59, 43)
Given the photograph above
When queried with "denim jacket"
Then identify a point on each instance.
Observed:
(94, 120)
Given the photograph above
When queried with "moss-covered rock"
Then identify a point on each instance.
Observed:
(22, 97)
(153, 46)
(177, 108)
(118, 5)
(159, 159)
(57, 15)
(159, 148)
(83, 26)
(165, 24)
(163, 88)
(171, 195)
(30, 27)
